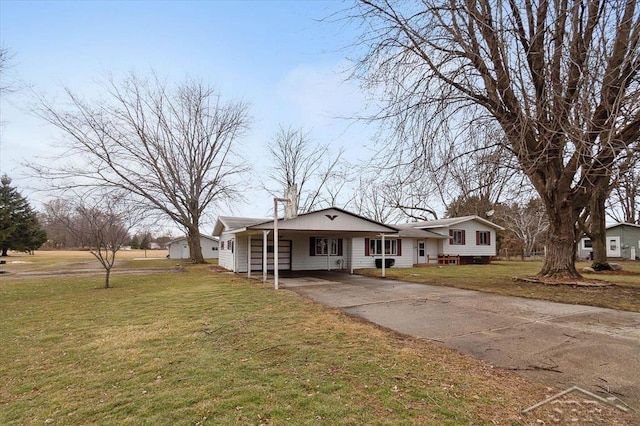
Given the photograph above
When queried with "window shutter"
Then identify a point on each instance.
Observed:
(312, 246)
(464, 237)
(340, 247)
(450, 236)
(489, 237)
(366, 247)
(477, 238)
(399, 247)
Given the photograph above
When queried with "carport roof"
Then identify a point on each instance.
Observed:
(331, 219)
(231, 223)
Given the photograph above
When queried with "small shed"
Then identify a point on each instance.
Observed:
(179, 248)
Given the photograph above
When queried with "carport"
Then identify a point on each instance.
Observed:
(327, 239)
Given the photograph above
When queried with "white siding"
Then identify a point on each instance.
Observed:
(432, 249)
(302, 261)
(406, 260)
(179, 249)
(470, 248)
(329, 221)
(208, 247)
(225, 256)
(175, 249)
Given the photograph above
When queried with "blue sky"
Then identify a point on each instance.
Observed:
(276, 55)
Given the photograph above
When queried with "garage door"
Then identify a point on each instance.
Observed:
(284, 258)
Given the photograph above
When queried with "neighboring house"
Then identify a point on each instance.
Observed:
(179, 248)
(334, 238)
(622, 241)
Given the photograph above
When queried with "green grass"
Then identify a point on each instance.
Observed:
(498, 278)
(199, 347)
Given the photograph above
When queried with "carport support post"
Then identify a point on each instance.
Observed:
(249, 256)
(351, 256)
(264, 255)
(275, 239)
(383, 251)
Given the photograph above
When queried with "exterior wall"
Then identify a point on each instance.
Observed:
(226, 256)
(432, 248)
(583, 252)
(629, 237)
(405, 260)
(209, 249)
(470, 248)
(175, 249)
(302, 261)
(327, 221)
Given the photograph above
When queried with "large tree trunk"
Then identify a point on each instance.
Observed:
(598, 229)
(4, 252)
(195, 248)
(561, 244)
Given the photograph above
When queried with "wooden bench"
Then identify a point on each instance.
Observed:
(445, 259)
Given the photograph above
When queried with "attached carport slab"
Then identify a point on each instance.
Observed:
(430, 319)
(341, 290)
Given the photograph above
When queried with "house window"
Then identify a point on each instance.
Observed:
(320, 246)
(613, 245)
(483, 238)
(457, 237)
(326, 246)
(586, 243)
(230, 245)
(221, 245)
(392, 247)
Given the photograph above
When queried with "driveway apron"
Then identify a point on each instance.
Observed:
(557, 344)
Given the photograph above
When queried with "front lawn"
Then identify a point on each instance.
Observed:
(199, 347)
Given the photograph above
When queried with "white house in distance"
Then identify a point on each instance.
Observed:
(334, 238)
(179, 248)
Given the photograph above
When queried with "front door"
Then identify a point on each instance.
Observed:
(613, 247)
(422, 252)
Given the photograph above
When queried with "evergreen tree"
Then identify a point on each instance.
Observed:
(135, 243)
(19, 226)
(145, 243)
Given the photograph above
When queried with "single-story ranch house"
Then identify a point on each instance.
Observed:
(179, 248)
(334, 238)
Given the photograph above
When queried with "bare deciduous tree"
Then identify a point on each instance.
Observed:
(55, 219)
(371, 200)
(173, 149)
(624, 201)
(528, 223)
(311, 168)
(559, 77)
(101, 223)
(5, 84)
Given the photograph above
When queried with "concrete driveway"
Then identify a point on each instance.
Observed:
(553, 343)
